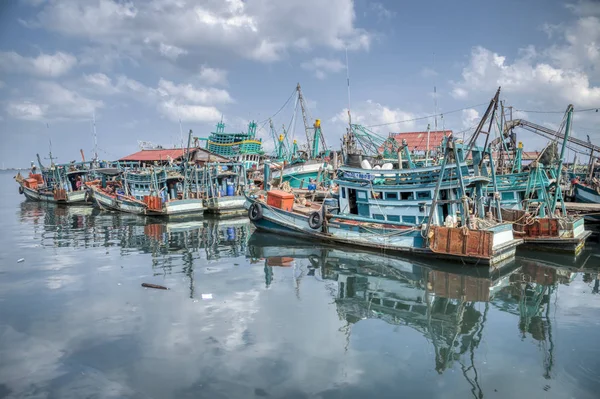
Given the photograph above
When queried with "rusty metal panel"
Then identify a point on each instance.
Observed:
(542, 227)
(459, 241)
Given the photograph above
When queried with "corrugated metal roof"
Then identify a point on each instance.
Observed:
(155, 155)
(419, 139)
(164, 155)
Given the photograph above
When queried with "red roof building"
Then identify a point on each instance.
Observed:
(418, 140)
(163, 156)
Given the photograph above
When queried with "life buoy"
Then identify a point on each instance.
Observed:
(315, 220)
(255, 212)
(21, 190)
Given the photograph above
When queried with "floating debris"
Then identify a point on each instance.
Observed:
(158, 287)
(21, 260)
(207, 296)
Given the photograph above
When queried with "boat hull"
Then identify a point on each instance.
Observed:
(73, 197)
(179, 207)
(410, 241)
(113, 203)
(299, 176)
(230, 205)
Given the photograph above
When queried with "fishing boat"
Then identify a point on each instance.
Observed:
(151, 191)
(244, 148)
(422, 211)
(225, 184)
(59, 183)
(533, 200)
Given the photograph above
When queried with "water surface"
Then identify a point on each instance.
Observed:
(256, 315)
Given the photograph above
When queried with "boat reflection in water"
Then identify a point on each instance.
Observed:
(174, 246)
(449, 308)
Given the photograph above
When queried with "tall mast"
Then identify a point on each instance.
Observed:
(306, 125)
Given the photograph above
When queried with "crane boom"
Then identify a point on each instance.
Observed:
(548, 133)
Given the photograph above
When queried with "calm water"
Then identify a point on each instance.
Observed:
(253, 315)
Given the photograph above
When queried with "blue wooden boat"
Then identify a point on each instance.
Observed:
(533, 200)
(224, 184)
(59, 183)
(421, 211)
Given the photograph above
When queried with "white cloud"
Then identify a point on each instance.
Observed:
(262, 29)
(459, 93)
(44, 65)
(171, 52)
(371, 113)
(470, 117)
(175, 101)
(26, 110)
(382, 12)
(101, 83)
(538, 80)
(189, 113)
(192, 94)
(213, 76)
(323, 66)
(51, 101)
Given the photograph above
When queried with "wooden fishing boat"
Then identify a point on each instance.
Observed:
(533, 200)
(61, 184)
(412, 211)
(224, 184)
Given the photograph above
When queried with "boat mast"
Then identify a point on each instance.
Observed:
(309, 140)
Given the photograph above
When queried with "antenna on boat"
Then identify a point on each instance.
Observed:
(95, 137)
(180, 132)
(435, 108)
(348, 84)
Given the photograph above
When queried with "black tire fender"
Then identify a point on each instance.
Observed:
(315, 220)
(255, 212)
(21, 190)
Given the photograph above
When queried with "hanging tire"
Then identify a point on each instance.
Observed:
(21, 190)
(315, 220)
(87, 196)
(255, 212)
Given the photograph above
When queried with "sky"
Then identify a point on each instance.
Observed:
(152, 70)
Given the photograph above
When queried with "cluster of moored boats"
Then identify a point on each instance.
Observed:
(460, 200)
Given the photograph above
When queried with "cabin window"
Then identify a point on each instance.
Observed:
(393, 218)
(361, 195)
(391, 196)
(377, 194)
(423, 219)
(378, 216)
(343, 192)
(423, 195)
(406, 196)
(510, 195)
(409, 219)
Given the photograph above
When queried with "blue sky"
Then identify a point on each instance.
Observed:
(141, 66)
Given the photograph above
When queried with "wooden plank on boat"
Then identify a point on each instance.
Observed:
(463, 242)
(582, 207)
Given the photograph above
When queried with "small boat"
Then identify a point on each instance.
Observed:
(224, 184)
(154, 192)
(61, 184)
